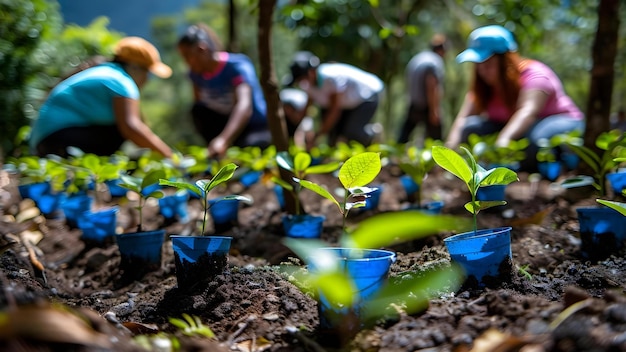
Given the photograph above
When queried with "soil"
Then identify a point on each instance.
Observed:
(553, 300)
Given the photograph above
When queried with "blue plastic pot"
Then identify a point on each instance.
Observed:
(151, 188)
(570, 160)
(49, 202)
(409, 185)
(98, 226)
(303, 226)
(482, 254)
(493, 192)
(368, 269)
(224, 211)
(432, 207)
(617, 181)
(33, 190)
(144, 246)
(199, 258)
(41, 193)
(251, 177)
(371, 202)
(602, 231)
(551, 170)
(114, 188)
(74, 206)
(175, 206)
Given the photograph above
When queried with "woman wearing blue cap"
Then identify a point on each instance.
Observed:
(512, 96)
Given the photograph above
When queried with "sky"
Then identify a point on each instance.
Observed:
(131, 17)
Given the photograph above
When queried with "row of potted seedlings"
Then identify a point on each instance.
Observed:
(350, 279)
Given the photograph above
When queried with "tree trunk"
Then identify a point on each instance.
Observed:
(602, 72)
(233, 45)
(275, 118)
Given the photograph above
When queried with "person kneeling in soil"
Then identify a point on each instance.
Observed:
(229, 107)
(513, 96)
(97, 109)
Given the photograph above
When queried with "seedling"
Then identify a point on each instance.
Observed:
(300, 166)
(474, 176)
(614, 146)
(33, 169)
(139, 186)
(99, 169)
(354, 175)
(488, 154)
(410, 291)
(202, 188)
(417, 163)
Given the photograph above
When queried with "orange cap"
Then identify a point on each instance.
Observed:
(139, 51)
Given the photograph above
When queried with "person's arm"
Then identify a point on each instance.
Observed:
(530, 103)
(129, 121)
(433, 97)
(237, 121)
(467, 109)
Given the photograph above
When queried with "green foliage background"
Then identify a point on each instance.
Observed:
(37, 49)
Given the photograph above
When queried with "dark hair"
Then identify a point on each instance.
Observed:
(201, 33)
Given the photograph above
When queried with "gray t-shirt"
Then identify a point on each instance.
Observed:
(416, 70)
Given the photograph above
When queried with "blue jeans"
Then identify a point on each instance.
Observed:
(544, 128)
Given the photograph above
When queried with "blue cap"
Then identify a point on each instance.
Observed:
(485, 41)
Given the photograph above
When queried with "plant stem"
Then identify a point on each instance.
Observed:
(140, 213)
(206, 209)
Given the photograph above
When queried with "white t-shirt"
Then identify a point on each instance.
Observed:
(355, 85)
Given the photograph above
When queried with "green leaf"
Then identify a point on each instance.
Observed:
(152, 177)
(182, 186)
(359, 170)
(587, 155)
(396, 227)
(337, 287)
(282, 183)
(323, 168)
(451, 161)
(477, 206)
(618, 206)
(414, 293)
(283, 159)
(301, 162)
(223, 175)
(499, 176)
(319, 190)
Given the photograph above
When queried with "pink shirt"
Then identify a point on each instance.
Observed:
(537, 75)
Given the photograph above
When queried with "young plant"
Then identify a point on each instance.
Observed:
(202, 188)
(354, 175)
(33, 169)
(139, 186)
(613, 145)
(410, 290)
(488, 154)
(300, 166)
(474, 176)
(417, 163)
(99, 169)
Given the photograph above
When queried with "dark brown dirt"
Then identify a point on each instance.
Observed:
(251, 306)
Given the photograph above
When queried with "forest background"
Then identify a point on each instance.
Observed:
(582, 40)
